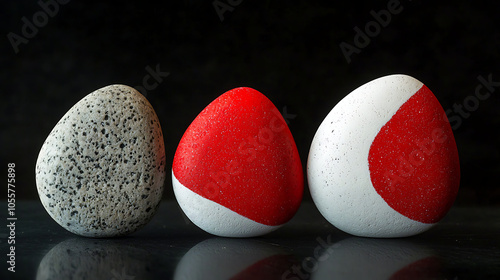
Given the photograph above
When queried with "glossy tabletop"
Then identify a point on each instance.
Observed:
(465, 245)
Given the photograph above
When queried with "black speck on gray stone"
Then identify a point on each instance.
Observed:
(100, 172)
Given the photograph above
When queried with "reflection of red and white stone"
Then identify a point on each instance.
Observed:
(237, 171)
(362, 258)
(384, 162)
(223, 258)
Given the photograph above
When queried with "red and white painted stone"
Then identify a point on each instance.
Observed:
(384, 162)
(237, 171)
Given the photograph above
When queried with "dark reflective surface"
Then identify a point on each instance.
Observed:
(223, 258)
(465, 245)
(378, 259)
(95, 259)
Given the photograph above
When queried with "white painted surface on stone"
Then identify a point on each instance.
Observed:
(337, 167)
(215, 218)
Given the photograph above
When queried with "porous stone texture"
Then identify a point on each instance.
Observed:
(101, 170)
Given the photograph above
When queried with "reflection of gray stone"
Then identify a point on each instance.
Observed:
(361, 258)
(94, 259)
(222, 258)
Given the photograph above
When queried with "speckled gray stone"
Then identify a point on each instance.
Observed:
(101, 170)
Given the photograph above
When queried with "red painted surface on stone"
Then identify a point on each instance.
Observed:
(239, 153)
(271, 267)
(414, 162)
(426, 268)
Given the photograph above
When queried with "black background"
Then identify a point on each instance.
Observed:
(287, 50)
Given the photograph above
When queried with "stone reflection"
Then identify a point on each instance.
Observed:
(83, 258)
(363, 258)
(222, 258)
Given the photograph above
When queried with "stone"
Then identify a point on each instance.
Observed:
(100, 172)
(384, 163)
(237, 171)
